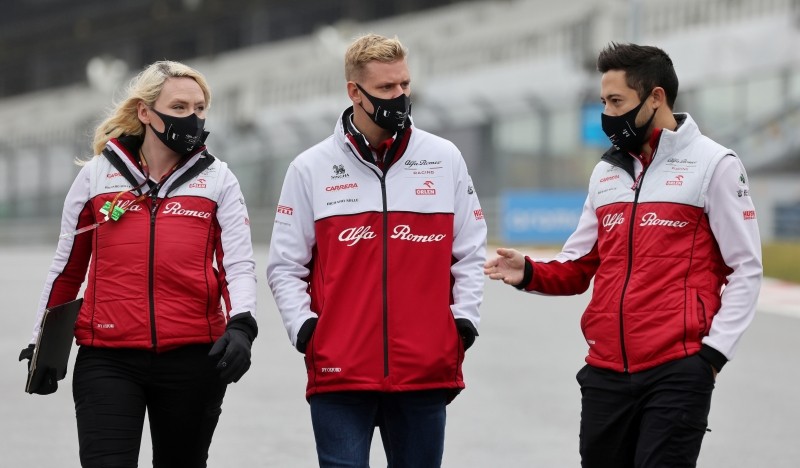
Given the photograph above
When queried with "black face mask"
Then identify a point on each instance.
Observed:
(390, 114)
(623, 132)
(181, 134)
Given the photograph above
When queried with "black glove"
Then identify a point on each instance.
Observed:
(235, 343)
(27, 353)
(47, 381)
(467, 331)
(305, 333)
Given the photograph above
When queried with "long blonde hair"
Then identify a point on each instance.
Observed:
(145, 87)
(368, 48)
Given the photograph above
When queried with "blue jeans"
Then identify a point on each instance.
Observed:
(411, 425)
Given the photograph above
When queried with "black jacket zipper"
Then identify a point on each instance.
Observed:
(385, 275)
(151, 270)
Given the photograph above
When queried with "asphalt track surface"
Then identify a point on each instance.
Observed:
(521, 407)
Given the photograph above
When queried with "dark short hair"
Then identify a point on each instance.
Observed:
(645, 67)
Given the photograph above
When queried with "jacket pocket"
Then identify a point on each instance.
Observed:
(700, 309)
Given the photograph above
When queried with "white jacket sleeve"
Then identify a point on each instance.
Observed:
(73, 251)
(290, 252)
(733, 221)
(236, 254)
(469, 248)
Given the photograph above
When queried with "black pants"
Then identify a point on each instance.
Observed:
(654, 418)
(180, 390)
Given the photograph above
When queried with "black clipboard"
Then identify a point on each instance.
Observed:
(53, 345)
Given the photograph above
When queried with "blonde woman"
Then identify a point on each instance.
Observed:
(167, 319)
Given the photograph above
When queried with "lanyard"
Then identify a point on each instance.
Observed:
(114, 212)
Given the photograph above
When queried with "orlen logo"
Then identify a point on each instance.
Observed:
(175, 208)
(287, 210)
(651, 219)
(611, 220)
(200, 183)
(678, 180)
(427, 191)
(354, 234)
(335, 188)
(403, 232)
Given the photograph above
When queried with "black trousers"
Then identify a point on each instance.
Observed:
(654, 418)
(179, 389)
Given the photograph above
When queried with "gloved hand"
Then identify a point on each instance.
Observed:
(305, 333)
(467, 331)
(47, 382)
(27, 353)
(233, 347)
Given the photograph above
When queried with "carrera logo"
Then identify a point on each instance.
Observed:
(355, 234)
(112, 175)
(287, 210)
(336, 188)
(478, 214)
(611, 220)
(609, 178)
(176, 209)
(678, 180)
(651, 219)
(403, 232)
(200, 183)
(749, 214)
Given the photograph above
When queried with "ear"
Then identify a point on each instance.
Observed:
(353, 92)
(143, 112)
(659, 97)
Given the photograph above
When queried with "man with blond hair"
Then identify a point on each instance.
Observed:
(376, 267)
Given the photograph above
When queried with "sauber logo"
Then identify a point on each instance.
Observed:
(355, 234)
(651, 219)
(335, 188)
(403, 232)
(611, 220)
(175, 208)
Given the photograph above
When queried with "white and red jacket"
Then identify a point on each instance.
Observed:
(158, 275)
(661, 241)
(387, 261)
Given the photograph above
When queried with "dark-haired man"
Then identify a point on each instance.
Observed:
(669, 234)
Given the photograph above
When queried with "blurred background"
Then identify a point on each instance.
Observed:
(511, 82)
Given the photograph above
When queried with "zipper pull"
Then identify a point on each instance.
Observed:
(637, 181)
